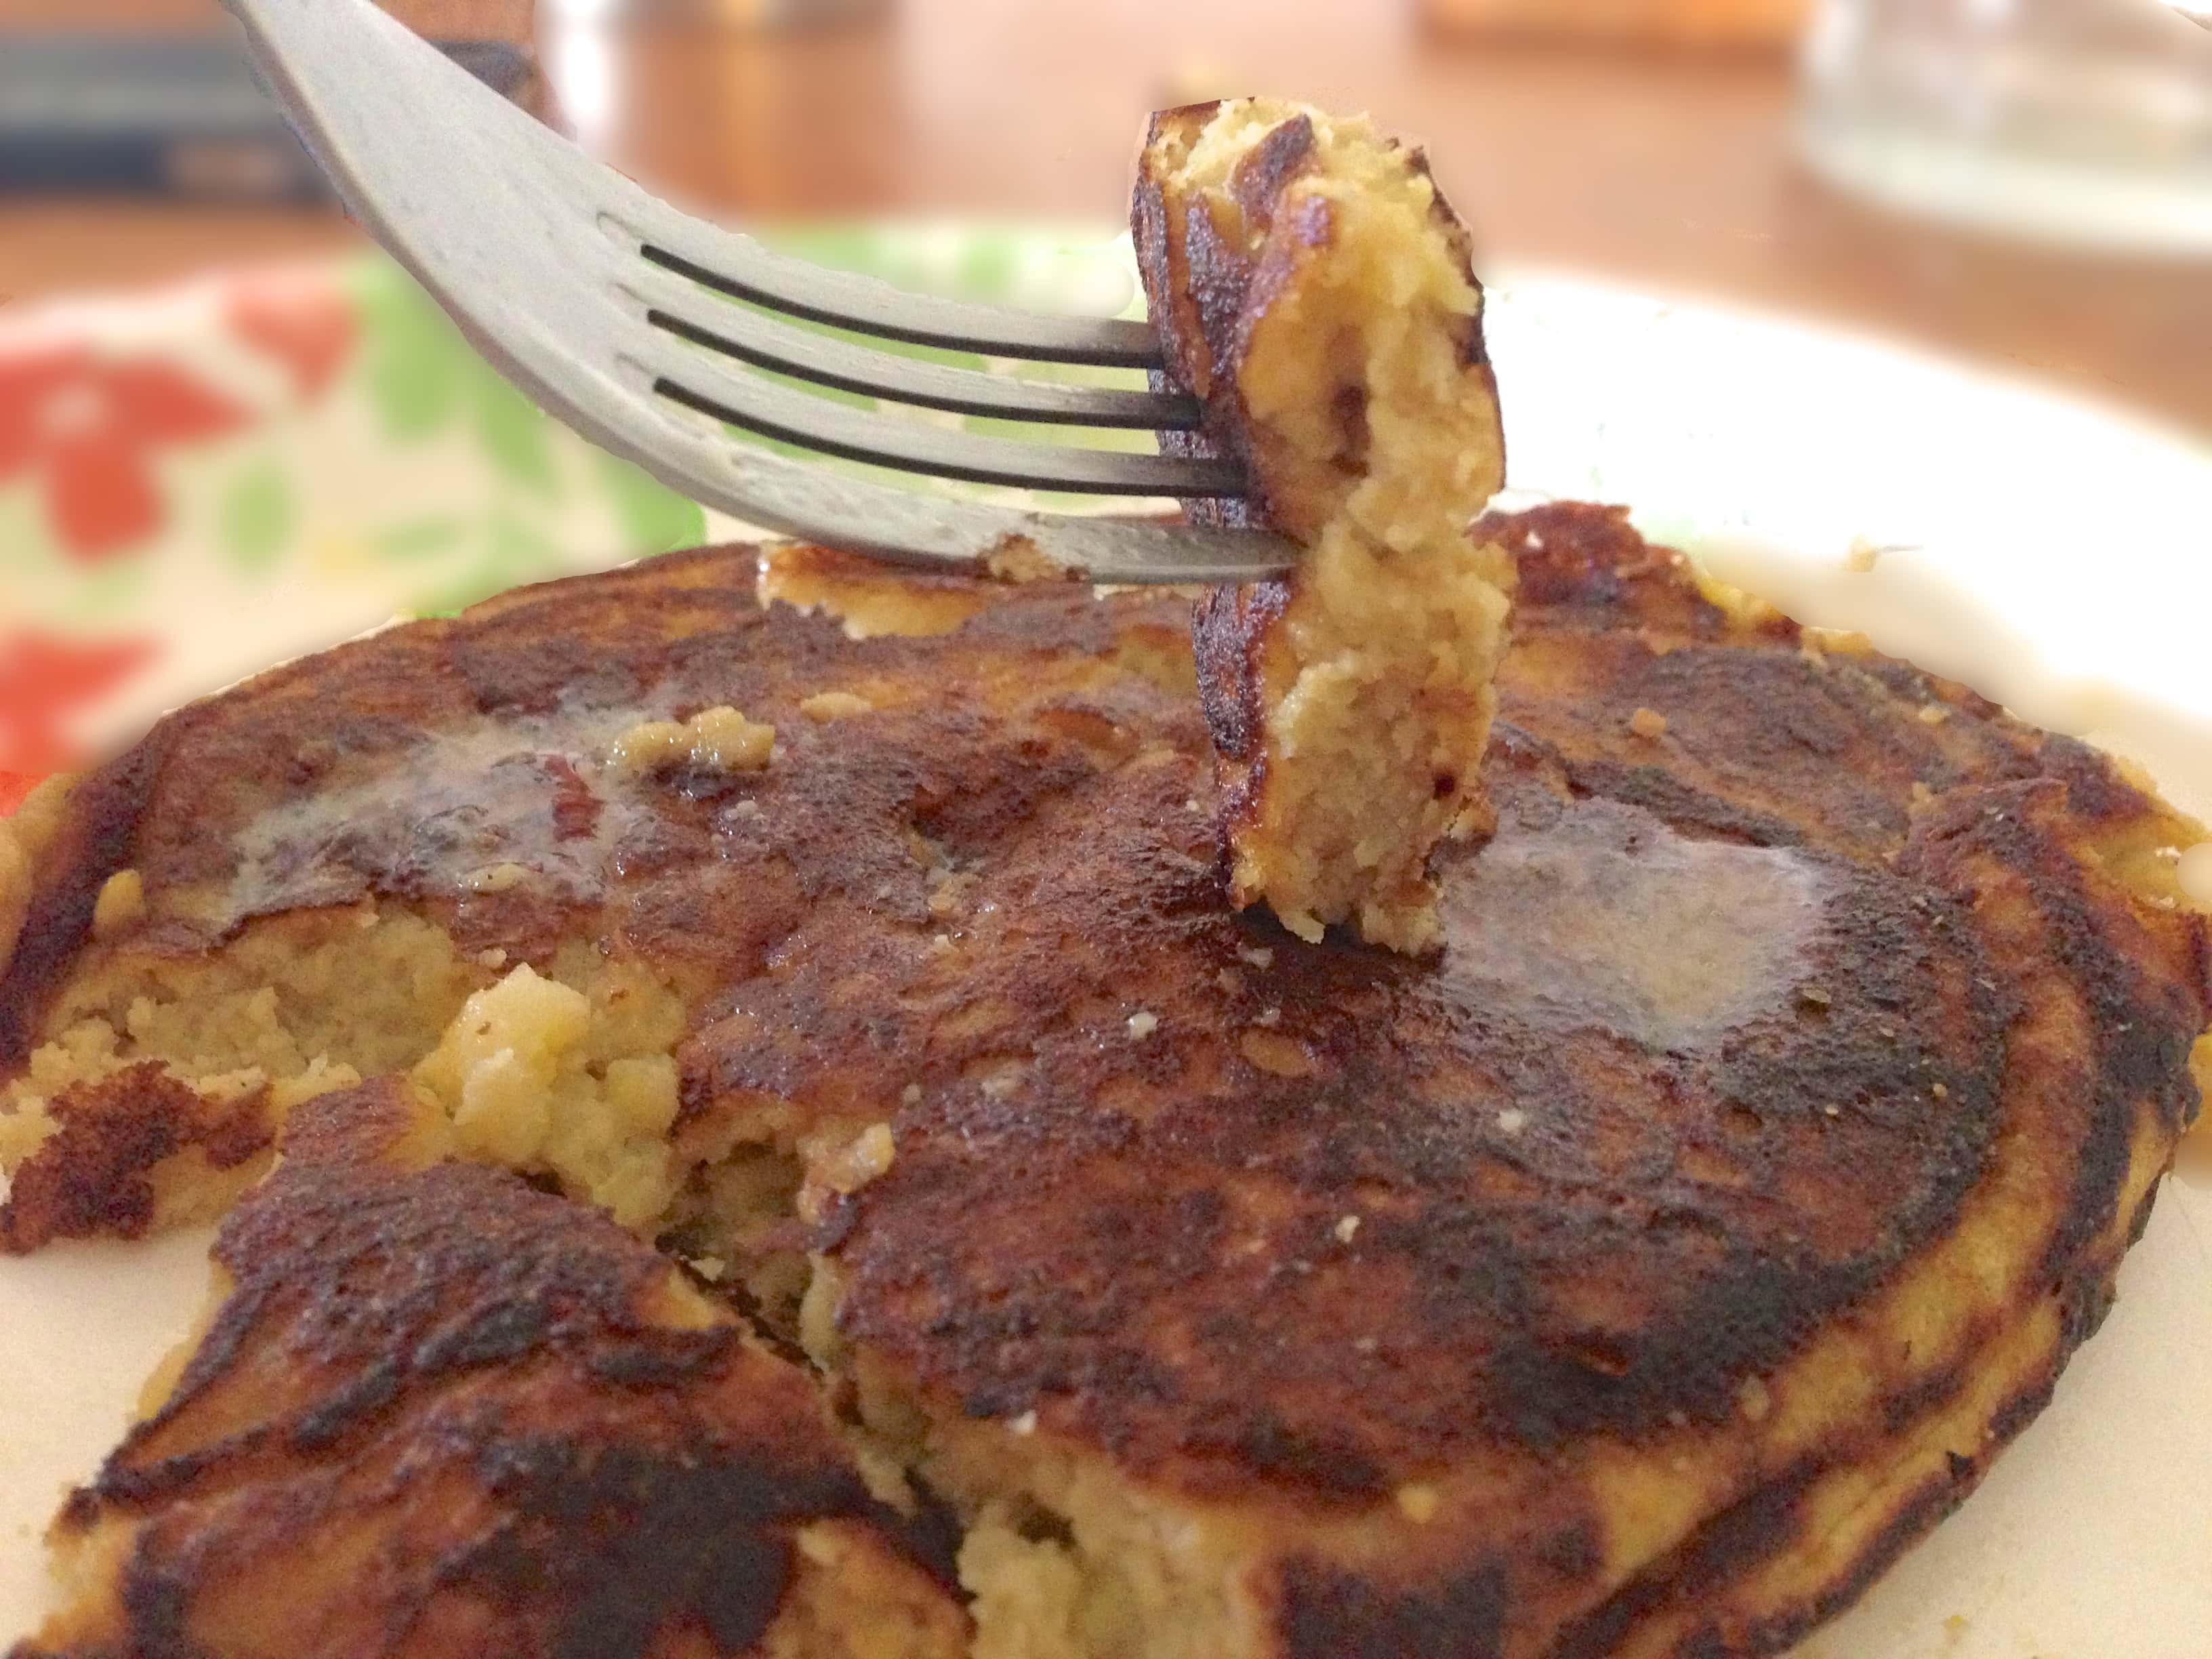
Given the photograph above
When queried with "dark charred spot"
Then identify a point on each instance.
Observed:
(1328, 1613)
(1257, 184)
(1348, 404)
(92, 1177)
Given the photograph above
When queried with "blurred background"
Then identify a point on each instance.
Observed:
(2026, 183)
(2059, 151)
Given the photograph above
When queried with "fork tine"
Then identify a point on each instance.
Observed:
(740, 267)
(759, 405)
(678, 304)
(505, 223)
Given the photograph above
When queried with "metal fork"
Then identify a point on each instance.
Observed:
(613, 311)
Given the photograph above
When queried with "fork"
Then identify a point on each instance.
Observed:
(613, 311)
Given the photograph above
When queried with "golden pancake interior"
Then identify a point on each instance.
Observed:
(1635, 1274)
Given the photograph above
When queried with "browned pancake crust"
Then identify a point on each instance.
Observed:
(1672, 1216)
(1733, 1030)
(1243, 661)
(683, 634)
(439, 1413)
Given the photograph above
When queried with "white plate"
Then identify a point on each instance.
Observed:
(2053, 555)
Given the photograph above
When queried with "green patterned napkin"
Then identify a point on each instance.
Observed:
(198, 483)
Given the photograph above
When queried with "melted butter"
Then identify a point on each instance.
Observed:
(1602, 920)
(481, 807)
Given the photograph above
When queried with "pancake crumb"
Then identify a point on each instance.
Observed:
(718, 739)
(1648, 723)
(1419, 1503)
(1143, 1023)
(826, 706)
(1348, 1228)
(853, 1164)
(1512, 1121)
(1278, 1055)
(1016, 558)
(1754, 1399)
(2192, 870)
(539, 1076)
(497, 877)
(121, 905)
(998, 1085)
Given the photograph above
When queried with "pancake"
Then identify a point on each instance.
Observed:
(1638, 1275)
(1314, 288)
(432, 1412)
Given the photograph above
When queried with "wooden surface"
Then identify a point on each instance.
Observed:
(1665, 172)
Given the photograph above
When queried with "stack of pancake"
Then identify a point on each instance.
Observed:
(871, 1195)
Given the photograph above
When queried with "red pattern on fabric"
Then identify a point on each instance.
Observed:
(88, 430)
(308, 324)
(99, 495)
(45, 679)
(28, 379)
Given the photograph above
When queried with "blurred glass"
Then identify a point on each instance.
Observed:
(2084, 122)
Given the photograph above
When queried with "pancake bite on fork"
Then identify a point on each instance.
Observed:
(1313, 288)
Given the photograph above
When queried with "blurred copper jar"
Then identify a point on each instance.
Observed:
(734, 13)
(1691, 23)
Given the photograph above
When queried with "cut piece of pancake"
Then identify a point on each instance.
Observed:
(1311, 283)
(1638, 1275)
(433, 1412)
